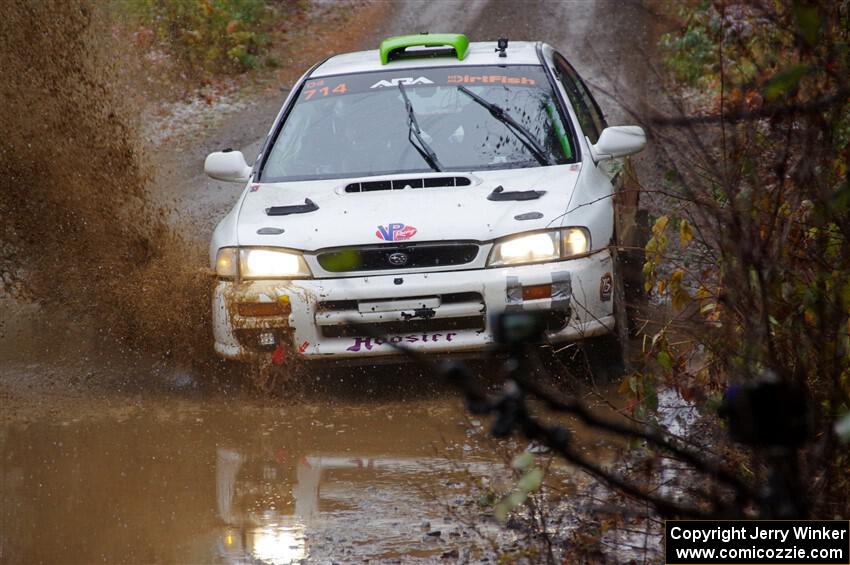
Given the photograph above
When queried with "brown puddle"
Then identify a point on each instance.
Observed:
(245, 480)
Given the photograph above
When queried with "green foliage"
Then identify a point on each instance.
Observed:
(808, 21)
(529, 482)
(784, 81)
(664, 361)
(209, 36)
(689, 52)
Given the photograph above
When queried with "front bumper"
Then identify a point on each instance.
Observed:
(444, 312)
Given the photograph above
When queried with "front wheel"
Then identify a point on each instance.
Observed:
(629, 295)
(595, 359)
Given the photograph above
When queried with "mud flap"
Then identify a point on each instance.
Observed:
(562, 290)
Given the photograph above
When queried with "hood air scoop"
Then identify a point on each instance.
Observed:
(308, 206)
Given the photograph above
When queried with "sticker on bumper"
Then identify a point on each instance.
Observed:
(562, 290)
(606, 287)
(368, 343)
(513, 294)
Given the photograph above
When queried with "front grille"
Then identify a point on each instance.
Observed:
(400, 184)
(385, 257)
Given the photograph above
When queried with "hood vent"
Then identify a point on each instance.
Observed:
(399, 184)
(308, 206)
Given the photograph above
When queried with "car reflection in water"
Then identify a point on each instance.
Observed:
(258, 524)
(268, 518)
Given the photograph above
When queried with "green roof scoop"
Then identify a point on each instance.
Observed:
(393, 47)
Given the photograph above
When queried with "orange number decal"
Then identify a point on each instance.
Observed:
(340, 88)
(324, 90)
(308, 94)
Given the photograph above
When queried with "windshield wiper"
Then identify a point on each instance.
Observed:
(525, 136)
(413, 129)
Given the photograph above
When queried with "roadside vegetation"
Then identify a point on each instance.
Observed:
(754, 259)
(184, 50)
(208, 38)
(748, 271)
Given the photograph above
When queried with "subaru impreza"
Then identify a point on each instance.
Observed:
(407, 195)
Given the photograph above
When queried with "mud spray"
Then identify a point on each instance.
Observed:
(79, 234)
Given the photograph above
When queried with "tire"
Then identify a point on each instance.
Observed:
(595, 359)
(629, 301)
(608, 357)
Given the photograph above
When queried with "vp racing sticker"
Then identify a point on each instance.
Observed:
(395, 232)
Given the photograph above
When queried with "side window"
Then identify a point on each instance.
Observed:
(588, 112)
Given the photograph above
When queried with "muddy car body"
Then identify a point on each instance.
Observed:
(412, 193)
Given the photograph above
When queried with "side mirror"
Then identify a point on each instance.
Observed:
(618, 141)
(227, 165)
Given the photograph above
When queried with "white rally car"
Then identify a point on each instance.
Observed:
(412, 193)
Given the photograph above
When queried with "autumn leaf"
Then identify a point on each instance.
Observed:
(678, 294)
(660, 225)
(664, 361)
(686, 233)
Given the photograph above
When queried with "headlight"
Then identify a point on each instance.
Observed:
(261, 263)
(272, 264)
(539, 247)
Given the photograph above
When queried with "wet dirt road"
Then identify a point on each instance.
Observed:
(107, 457)
(236, 479)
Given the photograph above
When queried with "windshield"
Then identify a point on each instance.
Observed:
(360, 124)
